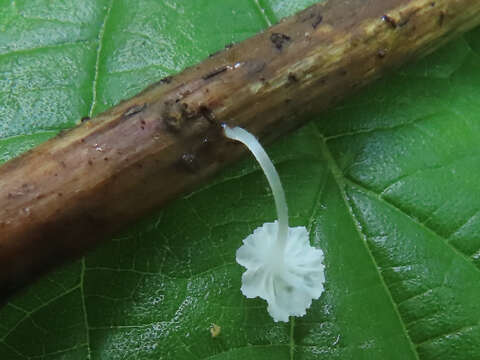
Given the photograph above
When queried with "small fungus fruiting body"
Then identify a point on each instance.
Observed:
(215, 330)
(282, 267)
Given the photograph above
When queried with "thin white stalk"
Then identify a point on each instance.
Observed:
(266, 164)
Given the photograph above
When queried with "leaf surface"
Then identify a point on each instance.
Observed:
(386, 182)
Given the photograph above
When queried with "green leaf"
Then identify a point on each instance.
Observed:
(387, 183)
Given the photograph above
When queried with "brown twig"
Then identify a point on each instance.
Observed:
(66, 195)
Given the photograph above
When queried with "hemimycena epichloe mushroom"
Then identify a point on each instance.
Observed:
(282, 267)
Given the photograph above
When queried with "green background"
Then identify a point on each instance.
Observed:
(386, 182)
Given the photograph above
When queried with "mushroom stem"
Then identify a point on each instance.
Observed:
(251, 142)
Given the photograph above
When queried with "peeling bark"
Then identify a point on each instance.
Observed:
(69, 193)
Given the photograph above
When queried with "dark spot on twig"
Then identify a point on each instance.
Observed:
(60, 194)
(90, 162)
(166, 80)
(441, 18)
(292, 78)
(207, 113)
(185, 93)
(404, 22)
(313, 16)
(389, 20)
(432, 4)
(133, 110)
(85, 119)
(279, 40)
(187, 113)
(189, 162)
(214, 73)
(407, 18)
(318, 20)
(173, 123)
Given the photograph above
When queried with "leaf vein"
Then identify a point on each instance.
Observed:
(43, 47)
(395, 208)
(340, 180)
(101, 36)
(262, 11)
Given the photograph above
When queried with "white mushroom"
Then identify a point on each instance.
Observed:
(282, 267)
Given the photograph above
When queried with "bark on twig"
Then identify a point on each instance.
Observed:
(66, 195)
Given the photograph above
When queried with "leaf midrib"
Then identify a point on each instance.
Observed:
(422, 225)
(340, 181)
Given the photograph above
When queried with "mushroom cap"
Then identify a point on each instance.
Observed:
(289, 278)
